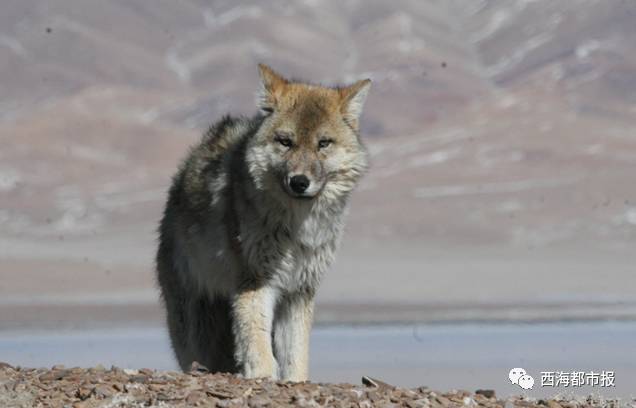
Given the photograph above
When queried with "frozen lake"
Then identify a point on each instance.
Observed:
(460, 356)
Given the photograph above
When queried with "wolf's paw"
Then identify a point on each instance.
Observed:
(261, 367)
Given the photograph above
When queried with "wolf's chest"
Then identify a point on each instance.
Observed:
(292, 260)
(300, 268)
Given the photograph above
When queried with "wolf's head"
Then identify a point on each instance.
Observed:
(308, 144)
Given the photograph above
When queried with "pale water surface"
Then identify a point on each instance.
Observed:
(443, 356)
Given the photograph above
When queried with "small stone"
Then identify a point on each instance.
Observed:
(156, 387)
(373, 382)
(146, 371)
(54, 375)
(419, 403)
(374, 396)
(104, 391)
(133, 388)
(259, 401)
(200, 368)
(142, 379)
(194, 397)
(163, 397)
(84, 392)
(220, 394)
(223, 404)
(20, 387)
(486, 393)
(436, 404)
(357, 394)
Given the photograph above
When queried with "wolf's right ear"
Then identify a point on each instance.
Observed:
(272, 86)
(353, 97)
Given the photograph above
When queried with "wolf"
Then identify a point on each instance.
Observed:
(253, 219)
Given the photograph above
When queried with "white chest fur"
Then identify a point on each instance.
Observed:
(292, 253)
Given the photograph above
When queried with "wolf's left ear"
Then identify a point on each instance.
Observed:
(272, 86)
(353, 98)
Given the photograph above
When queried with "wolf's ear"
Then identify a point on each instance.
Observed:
(272, 86)
(353, 97)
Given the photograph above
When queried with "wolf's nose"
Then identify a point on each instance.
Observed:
(299, 184)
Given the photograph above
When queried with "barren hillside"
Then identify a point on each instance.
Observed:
(491, 123)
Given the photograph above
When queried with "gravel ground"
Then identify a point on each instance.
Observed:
(116, 387)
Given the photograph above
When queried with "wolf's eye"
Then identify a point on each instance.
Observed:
(324, 143)
(284, 140)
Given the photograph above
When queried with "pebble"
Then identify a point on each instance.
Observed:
(104, 391)
(259, 401)
(486, 393)
(138, 379)
(469, 402)
(84, 393)
(54, 375)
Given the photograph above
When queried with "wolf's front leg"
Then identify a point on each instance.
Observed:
(253, 313)
(292, 326)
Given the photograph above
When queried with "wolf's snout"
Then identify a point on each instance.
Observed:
(299, 184)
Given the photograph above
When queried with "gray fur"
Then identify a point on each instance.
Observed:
(239, 259)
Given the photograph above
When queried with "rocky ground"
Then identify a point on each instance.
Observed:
(116, 387)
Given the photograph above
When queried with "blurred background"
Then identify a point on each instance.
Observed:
(501, 192)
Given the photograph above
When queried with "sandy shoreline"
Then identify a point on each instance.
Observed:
(72, 315)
